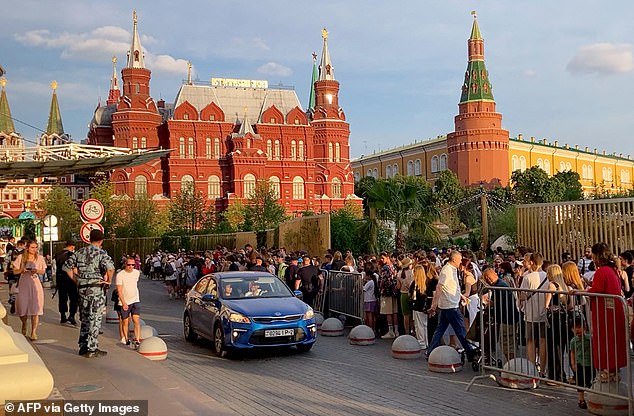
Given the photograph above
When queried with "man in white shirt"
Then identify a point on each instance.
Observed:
(127, 287)
(584, 262)
(447, 299)
(534, 307)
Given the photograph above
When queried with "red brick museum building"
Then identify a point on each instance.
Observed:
(227, 134)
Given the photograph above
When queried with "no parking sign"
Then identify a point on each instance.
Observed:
(85, 230)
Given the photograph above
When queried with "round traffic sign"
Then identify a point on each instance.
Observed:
(50, 221)
(85, 230)
(92, 210)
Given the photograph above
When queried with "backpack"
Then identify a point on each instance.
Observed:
(169, 269)
(282, 271)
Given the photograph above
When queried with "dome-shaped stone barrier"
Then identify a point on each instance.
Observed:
(599, 404)
(147, 331)
(153, 348)
(406, 347)
(444, 359)
(332, 327)
(112, 317)
(319, 320)
(513, 381)
(361, 335)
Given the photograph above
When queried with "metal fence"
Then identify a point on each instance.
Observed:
(343, 294)
(554, 228)
(577, 340)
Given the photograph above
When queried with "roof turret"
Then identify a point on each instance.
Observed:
(311, 100)
(326, 70)
(476, 86)
(54, 125)
(115, 93)
(135, 54)
(6, 121)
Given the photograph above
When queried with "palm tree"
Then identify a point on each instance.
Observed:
(406, 201)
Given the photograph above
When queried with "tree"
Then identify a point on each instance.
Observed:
(187, 210)
(344, 229)
(361, 189)
(403, 200)
(104, 192)
(447, 190)
(59, 203)
(234, 217)
(534, 186)
(570, 183)
(263, 209)
(141, 219)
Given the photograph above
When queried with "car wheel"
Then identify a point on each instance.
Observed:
(219, 341)
(190, 335)
(304, 347)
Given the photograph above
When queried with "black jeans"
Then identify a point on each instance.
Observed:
(68, 296)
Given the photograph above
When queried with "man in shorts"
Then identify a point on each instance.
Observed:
(127, 287)
(534, 308)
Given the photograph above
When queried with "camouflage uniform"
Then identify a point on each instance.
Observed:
(92, 264)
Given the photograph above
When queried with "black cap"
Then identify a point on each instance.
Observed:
(70, 243)
(96, 235)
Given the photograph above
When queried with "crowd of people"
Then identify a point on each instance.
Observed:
(434, 295)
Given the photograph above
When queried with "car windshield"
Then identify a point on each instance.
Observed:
(253, 286)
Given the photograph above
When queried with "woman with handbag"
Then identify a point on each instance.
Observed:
(418, 300)
(405, 277)
(557, 333)
(30, 298)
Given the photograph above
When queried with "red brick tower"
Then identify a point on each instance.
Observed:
(135, 124)
(334, 177)
(478, 148)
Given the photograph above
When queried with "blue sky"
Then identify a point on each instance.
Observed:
(560, 70)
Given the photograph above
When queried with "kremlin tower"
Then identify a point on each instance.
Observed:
(478, 149)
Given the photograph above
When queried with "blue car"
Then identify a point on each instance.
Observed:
(247, 310)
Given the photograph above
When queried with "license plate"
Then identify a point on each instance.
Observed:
(270, 333)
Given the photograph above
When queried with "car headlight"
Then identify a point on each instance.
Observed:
(238, 317)
(310, 314)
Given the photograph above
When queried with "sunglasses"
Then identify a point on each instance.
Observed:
(130, 264)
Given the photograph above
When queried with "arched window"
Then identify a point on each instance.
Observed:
(269, 149)
(434, 164)
(515, 162)
(274, 183)
(330, 152)
(417, 167)
(540, 163)
(278, 150)
(298, 187)
(213, 187)
(568, 167)
(140, 187)
(410, 168)
(248, 143)
(395, 170)
(584, 170)
(522, 163)
(217, 148)
(590, 173)
(376, 173)
(336, 188)
(610, 174)
(388, 171)
(337, 152)
(562, 167)
(443, 162)
(293, 150)
(181, 148)
(143, 142)
(604, 172)
(135, 143)
(369, 172)
(190, 148)
(301, 150)
(187, 184)
(547, 166)
(357, 177)
(249, 185)
(208, 148)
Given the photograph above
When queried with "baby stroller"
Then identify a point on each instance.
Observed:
(482, 349)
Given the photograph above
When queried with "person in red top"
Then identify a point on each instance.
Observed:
(609, 352)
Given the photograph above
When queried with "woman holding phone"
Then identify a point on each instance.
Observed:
(30, 298)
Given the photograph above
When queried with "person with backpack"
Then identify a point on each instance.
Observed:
(280, 266)
(309, 281)
(171, 276)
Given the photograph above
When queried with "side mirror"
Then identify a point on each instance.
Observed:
(208, 298)
(298, 294)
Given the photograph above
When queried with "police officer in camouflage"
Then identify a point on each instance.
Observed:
(92, 268)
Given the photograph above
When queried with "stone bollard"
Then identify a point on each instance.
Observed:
(444, 359)
(520, 365)
(319, 320)
(112, 317)
(153, 348)
(332, 327)
(361, 335)
(603, 405)
(147, 331)
(406, 347)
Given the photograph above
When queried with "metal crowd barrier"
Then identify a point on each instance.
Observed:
(516, 328)
(344, 292)
(320, 299)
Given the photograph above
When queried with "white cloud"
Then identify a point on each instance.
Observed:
(530, 73)
(272, 68)
(602, 59)
(99, 45)
(166, 63)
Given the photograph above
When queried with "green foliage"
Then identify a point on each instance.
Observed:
(263, 210)
(402, 200)
(187, 210)
(140, 218)
(361, 189)
(29, 229)
(447, 190)
(59, 203)
(104, 192)
(600, 192)
(535, 186)
(345, 230)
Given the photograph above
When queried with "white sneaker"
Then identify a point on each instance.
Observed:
(396, 334)
(124, 341)
(389, 335)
